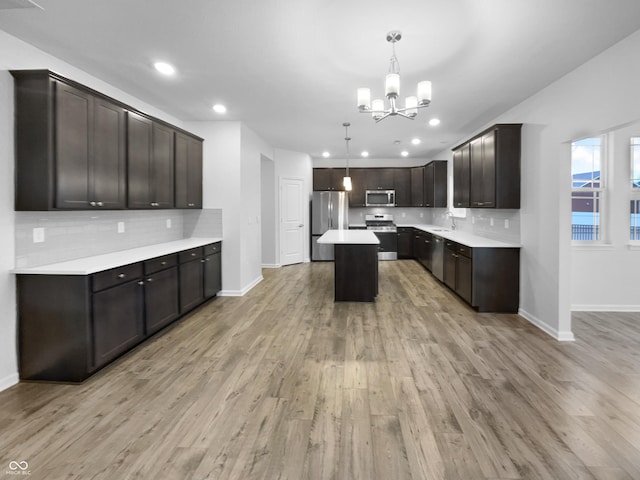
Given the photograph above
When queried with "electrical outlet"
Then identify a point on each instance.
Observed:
(168, 223)
(506, 223)
(120, 227)
(38, 235)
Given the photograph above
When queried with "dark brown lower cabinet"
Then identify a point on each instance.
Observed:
(405, 242)
(69, 326)
(191, 284)
(486, 278)
(161, 299)
(118, 320)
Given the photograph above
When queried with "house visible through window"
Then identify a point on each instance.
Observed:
(634, 209)
(587, 189)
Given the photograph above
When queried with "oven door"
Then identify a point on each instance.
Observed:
(388, 248)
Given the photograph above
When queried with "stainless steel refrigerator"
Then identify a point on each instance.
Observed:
(329, 211)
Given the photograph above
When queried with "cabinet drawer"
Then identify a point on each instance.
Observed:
(465, 251)
(160, 263)
(116, 276)
(212, 248)
(191, 254)
(450, 245)
(405, 229)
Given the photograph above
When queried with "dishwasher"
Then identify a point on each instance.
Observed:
(437, 258)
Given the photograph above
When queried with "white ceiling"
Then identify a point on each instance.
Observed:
(289, 69)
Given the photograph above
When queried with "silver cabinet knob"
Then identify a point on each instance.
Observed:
(149, 280)
(100, 204)
(93, 204)
(140, 282)
(163, 263)
(121, 275)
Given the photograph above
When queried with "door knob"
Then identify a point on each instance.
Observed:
(301, 225)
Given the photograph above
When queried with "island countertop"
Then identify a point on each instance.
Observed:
(349, 237)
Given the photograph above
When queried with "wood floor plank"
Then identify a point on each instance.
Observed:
(283, 383)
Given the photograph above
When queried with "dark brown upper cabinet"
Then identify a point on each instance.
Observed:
(494, 168)
(435, 184)
(379, 179)
(188, 179)
(461, 177)
(358, 187)
(328, 178)
(417, 187)
(151, 163)
(402, 185)
(70, 146)
(72, 150)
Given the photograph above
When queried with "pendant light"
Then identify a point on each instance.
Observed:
(346, 181)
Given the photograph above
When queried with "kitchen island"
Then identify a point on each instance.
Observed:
(355, 264)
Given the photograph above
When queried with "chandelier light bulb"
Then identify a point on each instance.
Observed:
(424, 93)
(364, 98)
(392, 85)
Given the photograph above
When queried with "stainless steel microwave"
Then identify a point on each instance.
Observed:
(380, 198)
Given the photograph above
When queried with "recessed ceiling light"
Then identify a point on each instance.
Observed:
(365, 153)
(434, 121)
(218, 108)
(164, 68)
(404, 153)
(416, 141)
(326, 154)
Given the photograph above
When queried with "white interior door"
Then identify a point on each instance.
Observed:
(292, 207)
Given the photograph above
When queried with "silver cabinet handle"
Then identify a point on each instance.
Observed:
(100, 204)
(163, 263)
(140, 282)
(121, 275)
(93, 204)
(191, 204)
(193, 254)
(149, 280)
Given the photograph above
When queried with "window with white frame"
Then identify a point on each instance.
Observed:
(587, 189)
(634, 207)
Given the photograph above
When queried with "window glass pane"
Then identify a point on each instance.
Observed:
(585, 216)
(634, 213)
(635, 162)
(585, 163)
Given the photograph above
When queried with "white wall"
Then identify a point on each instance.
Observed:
(252, 149)
(595, 268)
(295, 165)
(268, 212)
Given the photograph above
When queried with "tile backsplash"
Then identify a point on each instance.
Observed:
(51, 237)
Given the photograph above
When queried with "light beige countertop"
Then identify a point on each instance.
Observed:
(349, 237)
(98, 263)
(465, 238)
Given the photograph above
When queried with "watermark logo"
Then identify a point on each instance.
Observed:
(18, 468)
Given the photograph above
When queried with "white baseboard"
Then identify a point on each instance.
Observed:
(269, 265)
(9, 381)
(240, 293)
(605, 308)
(562, 336)
(307, 260)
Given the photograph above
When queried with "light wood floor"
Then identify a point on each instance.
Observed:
(285, 384)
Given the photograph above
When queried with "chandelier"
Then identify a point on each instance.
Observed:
(346, 181)
(392, 90)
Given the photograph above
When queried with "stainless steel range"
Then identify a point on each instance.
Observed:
(382, 225)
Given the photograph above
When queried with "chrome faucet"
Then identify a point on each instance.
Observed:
(453, 220)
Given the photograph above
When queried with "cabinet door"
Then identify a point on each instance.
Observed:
(117, 321)
(476, 191)
(429, 179)
(188, 158)
(162, 167)
(337, 178)
(139, 151)
(405, 243)
(450, 268)
(212, 275)
(109, 155)
(488, 170)
(358, 182)
(417, 187)
(74, 110)
(161, 299)
(402, 185)
(322, 179)
(461, 177)
(379, 179)
(191, 284)
(463, 277)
